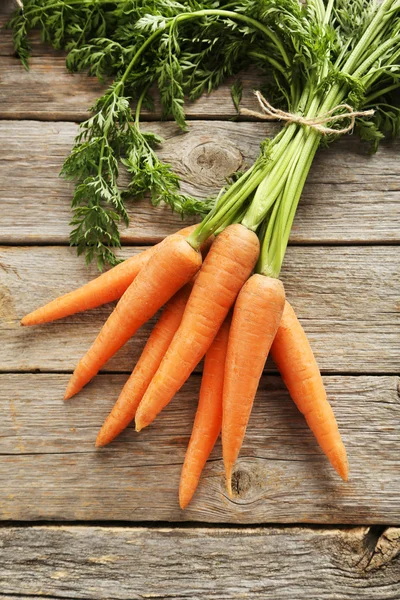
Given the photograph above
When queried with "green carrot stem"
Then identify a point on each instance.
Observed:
(230, 202)
(279, 239)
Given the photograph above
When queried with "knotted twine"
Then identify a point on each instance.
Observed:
(269, 113)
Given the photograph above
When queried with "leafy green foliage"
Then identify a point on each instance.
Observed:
(385, 123)
(110, 137)
(170, 76)
(314, 56)
(149, 174)
(63, 23)
(97, 202)
(236, 95)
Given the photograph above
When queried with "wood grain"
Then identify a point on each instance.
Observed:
(37, 201)
(207, 563)
(49, 468)
(346, 298)
(48, 92)
(350, 197)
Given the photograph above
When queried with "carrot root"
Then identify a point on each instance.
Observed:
(226, 267)
(255, 321)
(109, 286)
(169, 268)
(125, 408)
(295, 360)
(208, 420)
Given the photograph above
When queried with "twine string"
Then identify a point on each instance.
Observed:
(269, 113)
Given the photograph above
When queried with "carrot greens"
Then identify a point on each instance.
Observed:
(315, 57)
(343, 55)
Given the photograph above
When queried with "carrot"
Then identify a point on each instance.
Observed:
(256, 316)
(226, 267)
(295, 360)
(107, 287)
(168, 269)
(207, 423)
(125, 408)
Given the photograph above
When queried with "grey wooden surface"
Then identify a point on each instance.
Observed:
(50, 468)
(347, 298)
(351, 197)
(215, 564)
(342, 274)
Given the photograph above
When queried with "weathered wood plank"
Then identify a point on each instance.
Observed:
(48, 92)
(6, 9)
(50, 469)
(350, 196)
(347, 299)
(207, 563)
(37, 202)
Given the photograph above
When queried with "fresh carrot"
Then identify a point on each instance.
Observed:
(226, 267)
(164, 330)
(107, 287)
(256, 316)
(295, 360)
(207, 423)
(168, 269)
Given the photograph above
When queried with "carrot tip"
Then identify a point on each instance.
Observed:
(70, 391)
(25, 321)
(183, 503)
(344, 472)
(228, 477)
(185, 496)
(341, 465)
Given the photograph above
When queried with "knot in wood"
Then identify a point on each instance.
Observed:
(213, 160)
(241, 482)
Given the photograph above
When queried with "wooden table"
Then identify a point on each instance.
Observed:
(83, 523)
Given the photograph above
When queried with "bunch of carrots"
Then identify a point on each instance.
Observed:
(332, 62)
(217, 308)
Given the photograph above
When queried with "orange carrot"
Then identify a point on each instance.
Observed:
(168, 269)
(164, 330)
(226, 267)
(207, 423)
(107, 287)
(256, 316)
(295, 360)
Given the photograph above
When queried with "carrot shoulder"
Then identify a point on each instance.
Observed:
(125, 408)
(168, 269)
(207, 423)
(295, 360)
(226, 267)
(256, 316)
(107, 287)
